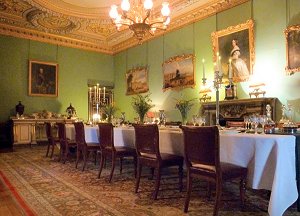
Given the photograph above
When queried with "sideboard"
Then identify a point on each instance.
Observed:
(236, 109)
(29, 130)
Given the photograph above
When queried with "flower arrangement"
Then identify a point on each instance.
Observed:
(184, 106)
(142, 104)
(109, 110)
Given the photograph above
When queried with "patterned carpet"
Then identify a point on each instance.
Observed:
(51, 188)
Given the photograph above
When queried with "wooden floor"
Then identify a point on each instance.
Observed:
(8, 206)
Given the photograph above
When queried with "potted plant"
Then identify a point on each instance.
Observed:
(184, 106)
(142, 104)
(109, 110)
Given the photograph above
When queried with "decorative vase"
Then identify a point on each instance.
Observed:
(19, 108)
(71, 112)
(142, 117)
(183, 118)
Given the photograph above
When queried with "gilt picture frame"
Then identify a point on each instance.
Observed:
(237, 44)
(292, 35)
(178, 72)
(137, 80)
(43, 79)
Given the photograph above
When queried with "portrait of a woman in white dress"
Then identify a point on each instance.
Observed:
(239, 67)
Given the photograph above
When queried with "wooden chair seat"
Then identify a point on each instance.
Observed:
(148, 154)
(52, 140)
(202, 157)
(65, 143)
(83, 148)
(108, 149)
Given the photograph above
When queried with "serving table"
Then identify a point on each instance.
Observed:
(270, 159)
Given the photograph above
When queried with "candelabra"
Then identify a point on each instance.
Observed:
(205, 90)
(217, 86)
(98, 97)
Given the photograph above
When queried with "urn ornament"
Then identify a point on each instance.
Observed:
(19, 109)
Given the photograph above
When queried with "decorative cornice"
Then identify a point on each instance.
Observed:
(52, 39)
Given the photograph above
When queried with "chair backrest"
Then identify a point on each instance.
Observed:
(106, 135)
(202, 146)
(79, 133)
(49, 131)
(147, 140)
(61, 132)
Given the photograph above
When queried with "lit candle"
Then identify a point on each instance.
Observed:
(90, 93)
(203, 60)
(230, 70)
(97, 95)
(104, 93)
(112, 97)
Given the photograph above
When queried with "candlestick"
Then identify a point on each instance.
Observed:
(103, 93)
(203, 60)
(230, 69)
(220, 66)
(97, 92)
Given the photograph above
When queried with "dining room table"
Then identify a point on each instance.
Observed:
(270, 159)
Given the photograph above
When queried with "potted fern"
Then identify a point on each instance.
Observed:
(142, 104)
(184, 106)
(109, 110)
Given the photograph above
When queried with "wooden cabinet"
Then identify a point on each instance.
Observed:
(235, 110)
(29, 131)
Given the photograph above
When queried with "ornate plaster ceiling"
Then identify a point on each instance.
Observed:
(86, 24)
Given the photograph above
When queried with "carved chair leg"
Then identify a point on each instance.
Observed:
(121, 164)
(242, 191)
(101, 165)
(180, 173)
(157, 183)
(218, 197)
(139, 172)
(188, 192)
(113, 163)
(85, 156)
(77, 157)
(48, 148)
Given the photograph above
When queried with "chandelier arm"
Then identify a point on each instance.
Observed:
(147, 16)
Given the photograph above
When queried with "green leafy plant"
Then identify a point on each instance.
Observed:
(142, 104)
(184, 106)
(109, 110)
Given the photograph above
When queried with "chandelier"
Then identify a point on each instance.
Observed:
(139, 17)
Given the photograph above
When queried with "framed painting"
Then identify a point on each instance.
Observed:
(235, 46)
(178, 72)
(43, 79)
(292, 35)
(137, 80)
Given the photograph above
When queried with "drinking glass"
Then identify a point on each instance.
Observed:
(246, 123)
(195, 120)
(254, 119)
(263, 122)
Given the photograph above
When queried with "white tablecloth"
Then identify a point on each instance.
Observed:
(270, 159)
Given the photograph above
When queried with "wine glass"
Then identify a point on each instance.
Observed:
(254, 120)
(195, 120)
(246, 123)
(263, 122)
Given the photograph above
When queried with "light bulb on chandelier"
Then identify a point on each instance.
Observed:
(140, 17)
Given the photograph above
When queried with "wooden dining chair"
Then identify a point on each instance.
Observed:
(52, 140)
(83, 147)
(202, 158)
(148, 154)
(108, 149)
(65, 143)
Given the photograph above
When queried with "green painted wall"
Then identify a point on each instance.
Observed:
(271, 17)
(75, 68)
